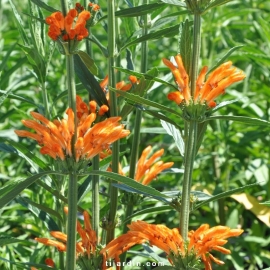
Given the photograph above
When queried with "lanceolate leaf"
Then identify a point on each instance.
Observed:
(42, 215)
(89, 62)
(223, 195)
(242, 119)
(135, 186)
(89, 82)
(224, 58)
(166, 32)
(43, 5)
(146, 76)
(216, 3)
(13, 188)
(176, 134)
(27, 265)
(174, 2)
(142, 101)
(150, 210)
(5, 240)
(139, 10)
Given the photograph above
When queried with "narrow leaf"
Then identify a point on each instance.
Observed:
(150, 210)
(133, 184)
(42, 215)
(19, 22)
(89, 82)
(223, 195)
(145, 75)
(174, 2)
(176, 134)
(88, 61)
(166, 32)
(139, 10)
(242, 119)
(43, 5)
(142, 101)
(5, 240)
(225, 57)
(13, 188)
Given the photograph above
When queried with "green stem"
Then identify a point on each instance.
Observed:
(71, 222)
(196, 51)
(190, 154)
(95, 196)
(64, 7)
(45, 100)
(72, 96)
(114, 112)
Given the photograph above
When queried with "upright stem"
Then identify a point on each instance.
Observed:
(71, 221)
(64, 7)
(45, 100)
(95, 196)
(137, 124)
(114, 112)
(72, 183)
(190, 154)
(191, 130)
(72, 95)
(196, 51)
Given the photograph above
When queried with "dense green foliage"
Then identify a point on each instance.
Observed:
(233, 154)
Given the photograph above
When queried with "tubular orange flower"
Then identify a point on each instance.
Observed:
(201, 242)
(206, 91)
(85, 246)
(147, 170)
(55, 137)
(70, 27)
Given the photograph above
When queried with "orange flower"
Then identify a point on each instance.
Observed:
(85, 246)
(123, 86)
(201, 242)
(55, 137)
(206, 91)
(147, 170)
(70, 27)
(48, 262)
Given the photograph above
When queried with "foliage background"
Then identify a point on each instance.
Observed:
(232, 154)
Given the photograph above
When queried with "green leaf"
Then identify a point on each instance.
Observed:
(223, 195)
(215, 4)
(176, 134)
(88, 61)
(42, 215)
(160, 261)
(145, 75)
(139, 10)
(15, 187)
(167, 267)
(43, 5)
(5, 95)
(134, 185)
(140, 89)
(160, 116)
(185, 44)
(6, 57)
(174, 2)
(27, 265)
(19, 22)
(242, 119)
(225, 57)
(24, 152)
(12, 96)
(150, 210)
(166, 32)
(142, 101)
(6, 240)
(89, 82)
